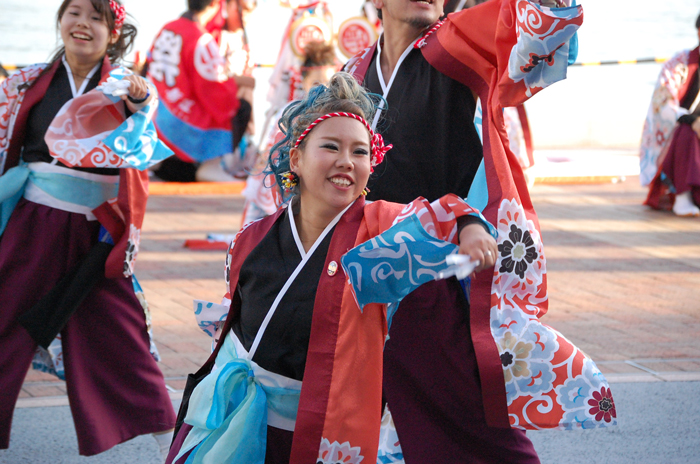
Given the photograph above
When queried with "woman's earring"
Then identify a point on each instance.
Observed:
(289, 180)
(365, 191)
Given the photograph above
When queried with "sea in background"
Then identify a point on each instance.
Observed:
(596, 107)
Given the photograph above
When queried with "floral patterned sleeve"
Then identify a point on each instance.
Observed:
(91, 131)
(530, 43)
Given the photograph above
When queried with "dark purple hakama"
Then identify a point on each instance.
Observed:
(115, 387)
(682, 162)
(431, 382)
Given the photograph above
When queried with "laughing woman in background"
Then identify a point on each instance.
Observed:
(56, 214)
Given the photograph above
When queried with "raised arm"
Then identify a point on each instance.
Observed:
(101, 135)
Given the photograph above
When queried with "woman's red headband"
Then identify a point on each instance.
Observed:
(378, 147)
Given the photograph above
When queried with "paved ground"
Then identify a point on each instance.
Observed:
(623, 286)
(658, 426)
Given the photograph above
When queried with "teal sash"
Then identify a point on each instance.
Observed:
(63, 186)
(230, 408)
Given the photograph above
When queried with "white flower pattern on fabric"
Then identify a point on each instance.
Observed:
(337, 453)
(521, 263)
(526, 349)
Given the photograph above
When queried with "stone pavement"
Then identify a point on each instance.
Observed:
(657, 425)
(623, 282)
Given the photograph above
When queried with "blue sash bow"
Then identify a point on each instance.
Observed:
(228, 411)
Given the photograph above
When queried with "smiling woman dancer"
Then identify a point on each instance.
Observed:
(292, 314)
(115, 388)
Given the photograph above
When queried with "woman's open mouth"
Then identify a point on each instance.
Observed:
(340, 181)
(80, 36)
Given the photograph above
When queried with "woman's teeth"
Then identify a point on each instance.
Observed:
(340, 181)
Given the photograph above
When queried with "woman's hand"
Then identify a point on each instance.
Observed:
(138, 90)
(479, 245)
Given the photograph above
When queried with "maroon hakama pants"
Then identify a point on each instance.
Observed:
(682, 162)
(431, 383)
(115, 388)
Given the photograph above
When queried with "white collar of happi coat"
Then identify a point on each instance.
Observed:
(460, 5)
(86, 81)
(694, 106)
(305, 257)
(386, 87)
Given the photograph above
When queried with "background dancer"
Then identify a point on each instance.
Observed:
(200, 99)
(312, 22)
(670, 151)
(228, 29)
(49, 211)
